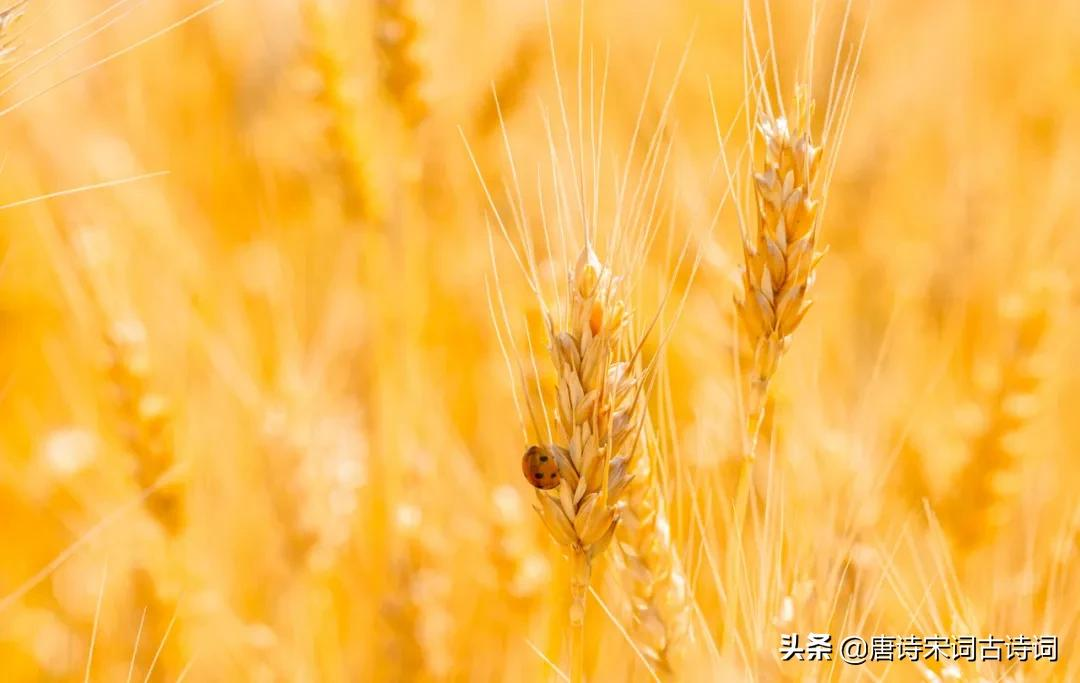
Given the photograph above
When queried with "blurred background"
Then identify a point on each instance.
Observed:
(256, 422)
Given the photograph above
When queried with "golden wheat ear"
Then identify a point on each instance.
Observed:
(652, 571)
(594, 419)
(980, 503)
(597, 413)
(403, 73)
(780, 259)
(790, 182)
(144, 421)
(344, 132)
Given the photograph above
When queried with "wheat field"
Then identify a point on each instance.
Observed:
(463, 340)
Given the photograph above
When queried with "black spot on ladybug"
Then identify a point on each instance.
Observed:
(543, 458)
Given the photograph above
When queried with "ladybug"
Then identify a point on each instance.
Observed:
(540, 468)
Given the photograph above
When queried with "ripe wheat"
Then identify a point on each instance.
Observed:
(781, 258)
(979, 504)
(653, 573)
(403, 74)
(598, 411)
(343, 132)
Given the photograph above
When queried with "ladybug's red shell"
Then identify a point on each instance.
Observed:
(540, 468)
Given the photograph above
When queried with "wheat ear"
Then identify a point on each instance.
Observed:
(396, 34)
(144, 421)
(419, 642)
(653, 572)
(598, 410)
(780, 260)
(510, 87)
(979, 502)
(779, 264)
(317, 463)
(343, 132)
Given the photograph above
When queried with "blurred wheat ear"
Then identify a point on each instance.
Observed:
(403, 73)
(657, 589)
(343, 132)
(978, 504)
(509, 89)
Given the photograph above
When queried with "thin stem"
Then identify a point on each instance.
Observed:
(577, 652)
(742, 503)
(581, 574)
(742, 493)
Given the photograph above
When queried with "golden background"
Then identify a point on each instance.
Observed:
(256, 422)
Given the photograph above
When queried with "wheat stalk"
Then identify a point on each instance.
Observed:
(597, 412)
